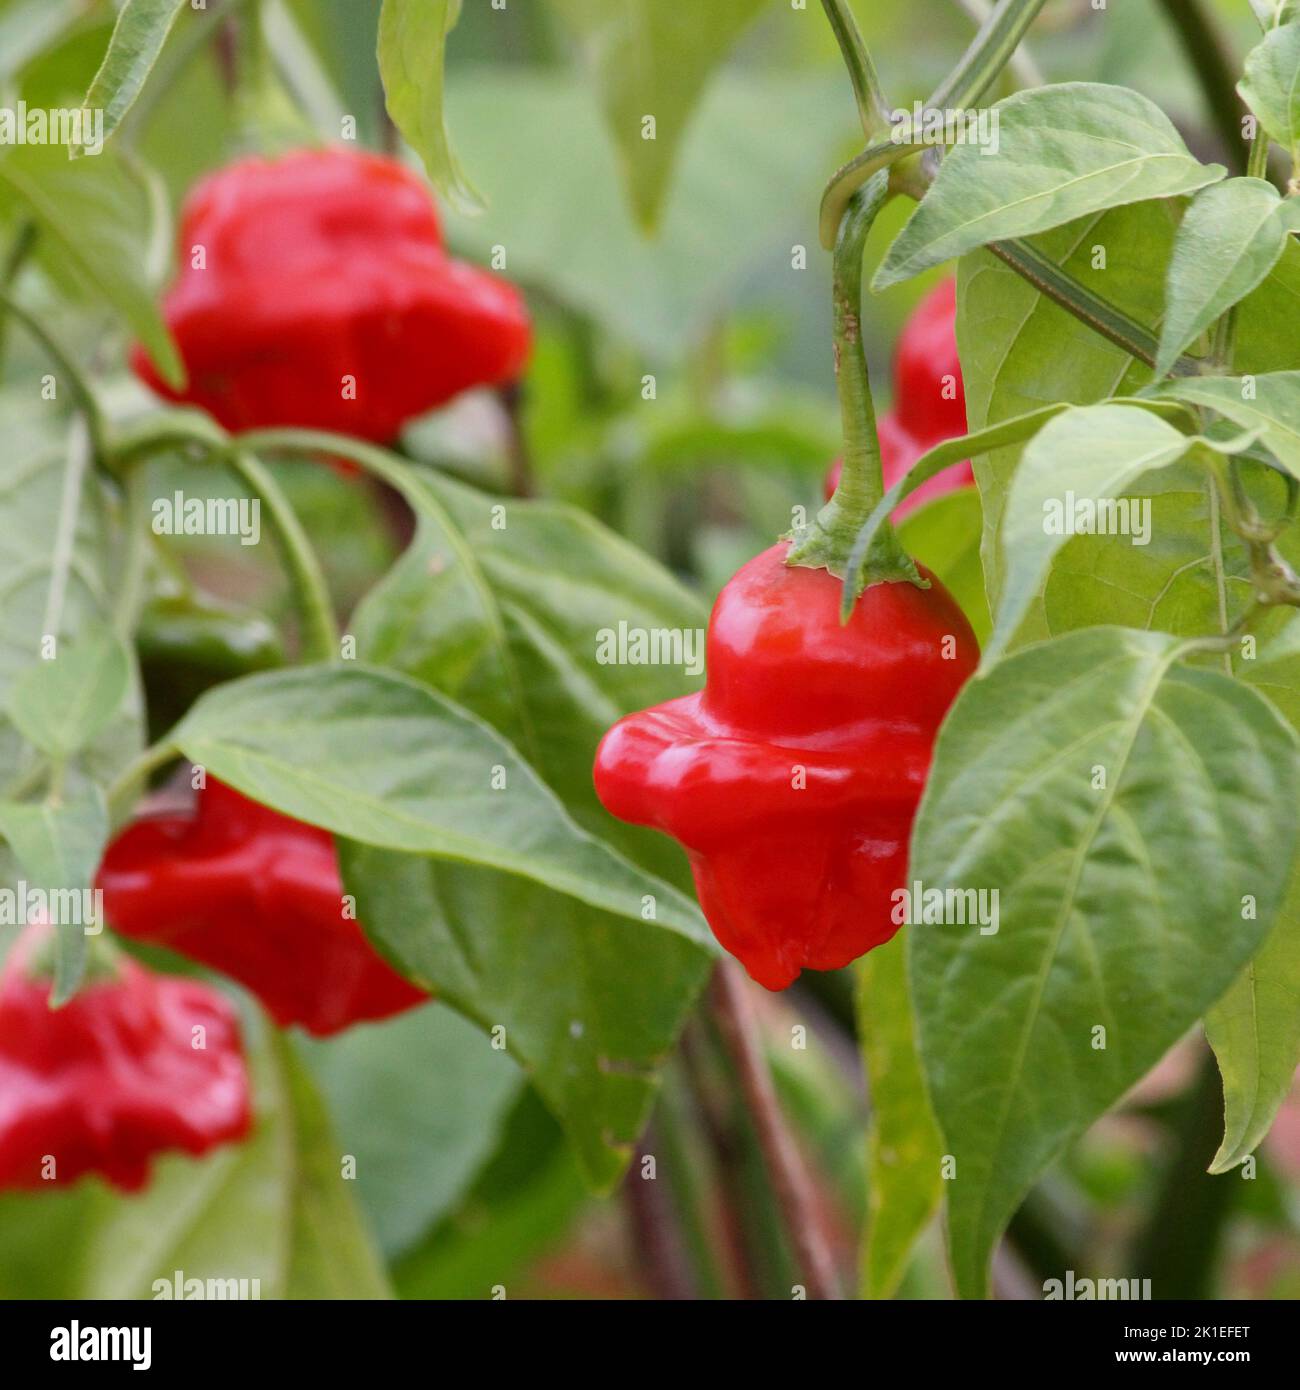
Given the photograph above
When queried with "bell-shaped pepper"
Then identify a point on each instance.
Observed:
(315, 292)
(136, 1064)
(257, 896)
(792, 779)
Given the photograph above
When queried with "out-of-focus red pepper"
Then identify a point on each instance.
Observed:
(115, 1076)
(257, 896)
(793, 778)
(929, 400)
(315, 292)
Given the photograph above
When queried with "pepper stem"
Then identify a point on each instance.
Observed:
(827, 541)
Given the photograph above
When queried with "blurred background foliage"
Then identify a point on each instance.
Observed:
(465, 1177)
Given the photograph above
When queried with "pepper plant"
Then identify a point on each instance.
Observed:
(362, 800)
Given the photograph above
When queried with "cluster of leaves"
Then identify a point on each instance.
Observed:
(1124, 770)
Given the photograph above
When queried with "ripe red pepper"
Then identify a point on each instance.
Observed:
(929, 400)
(322, 267)
(793, 778)
(258, 896)
(113, 1077)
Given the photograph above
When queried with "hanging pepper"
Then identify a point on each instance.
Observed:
(115, 1076)
(929, 400)
(792, 779)
(315, 292)
(257, 896)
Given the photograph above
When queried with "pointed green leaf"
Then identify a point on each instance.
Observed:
(1125, 810)
(1271, 85)
(138, 37)
(1230, 238)
(1062, 152)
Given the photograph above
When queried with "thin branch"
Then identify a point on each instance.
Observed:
(1021, 61)
(738, 1025)
(1207, 51)
(873, 109)
(655, 1231)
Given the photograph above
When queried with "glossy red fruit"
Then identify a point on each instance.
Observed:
(315, 292)
(257, 896)
(929, 395)
(114, 1077)
(792, 779)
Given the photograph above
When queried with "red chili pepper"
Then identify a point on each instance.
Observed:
(793, 778)
(304, 274)
(115, 1076)
(256, 895)
(929, 400)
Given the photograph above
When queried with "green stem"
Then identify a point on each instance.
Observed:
(80, 384)
(977, 71)
(989, 52)
(1103, 317)
(873, 109)
(733, 1011)
(320, 631)
(1021, 63)
(828, 541)
(1204, 46)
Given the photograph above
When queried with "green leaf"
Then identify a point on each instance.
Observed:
(1266, 336)
(500, 605)
(64, 198)
(1255, 1028)
(56, 557)
(525, 1201)
(1229, 240)
(1269, 403)
(1121, 903)
(1255, 1033)
(1271, 85)
(1063, 152)
(944, 536)
(412, 55)
(1090, 452)
(652, 60)
(589, 1006)
(424, 783)
(138, 37)
(58, 847)
(1021, 352)
(61, 705)
(420, 1133)
(905, 1148)
(1180, 582)
(275, 1208)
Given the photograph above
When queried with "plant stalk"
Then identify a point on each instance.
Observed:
(1206, 49)
(738, 1026)
(873, 109)
(320, 634)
